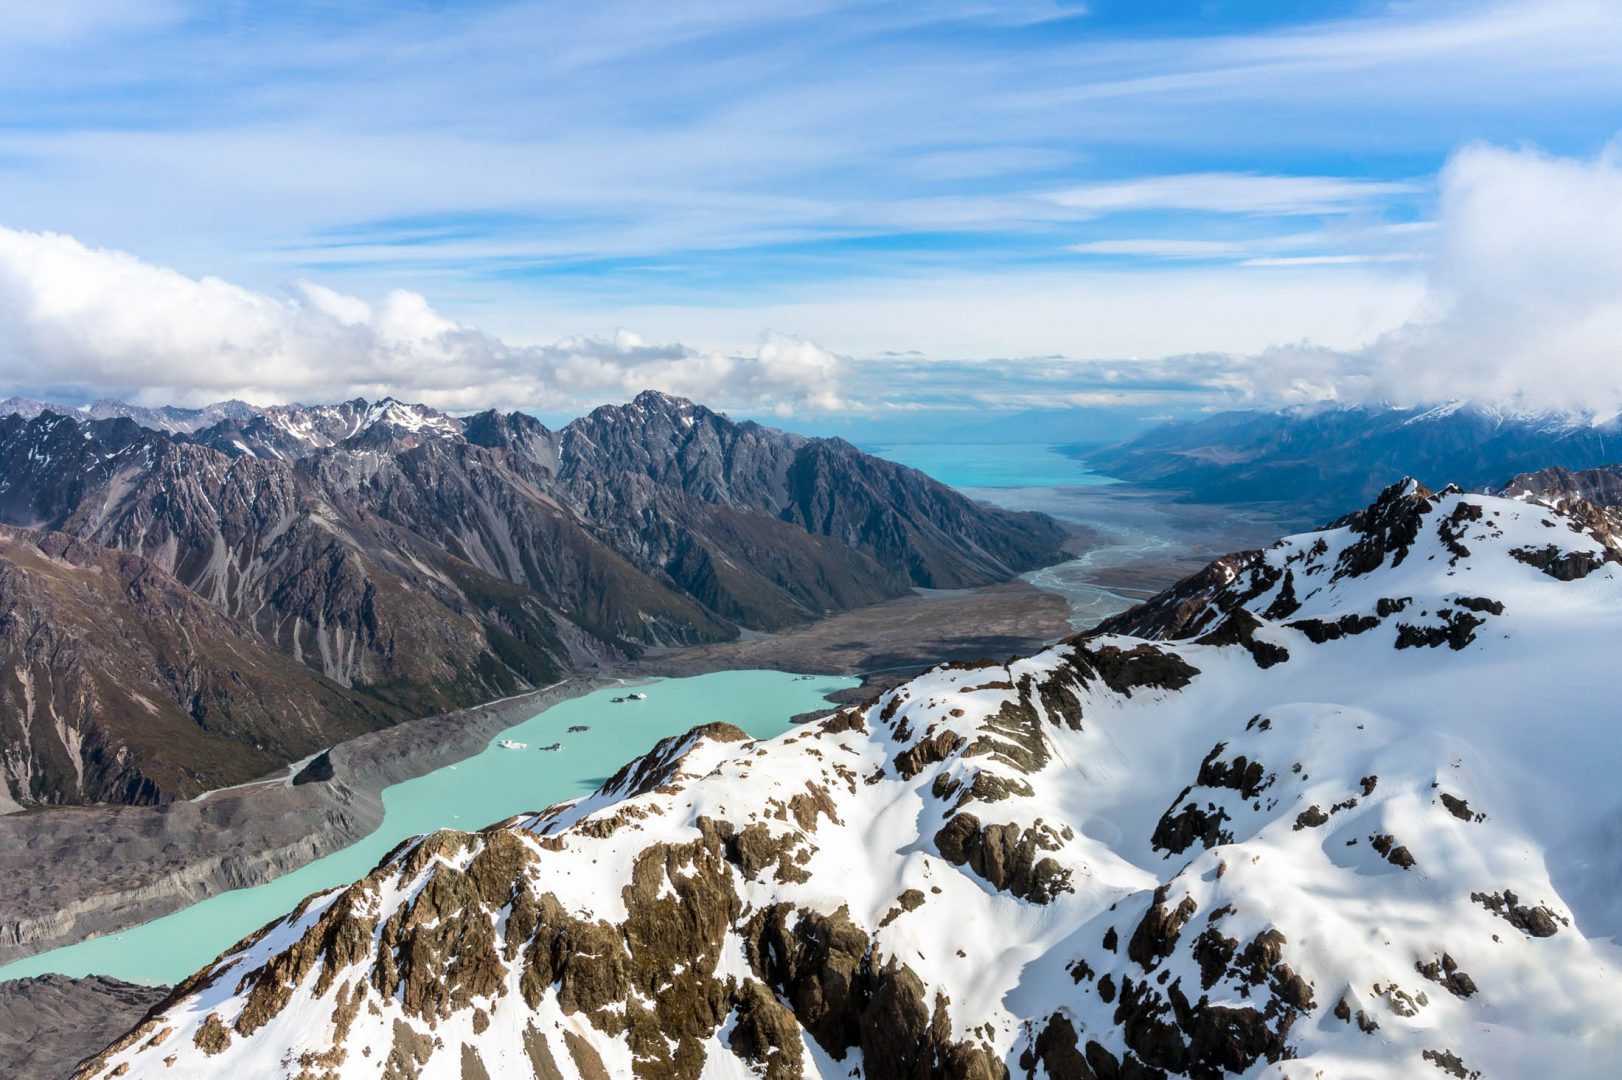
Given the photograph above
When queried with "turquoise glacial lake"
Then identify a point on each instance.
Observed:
(471, 794)
(992, 465)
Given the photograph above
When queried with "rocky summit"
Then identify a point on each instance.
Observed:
(1327, 809)
(374, 561)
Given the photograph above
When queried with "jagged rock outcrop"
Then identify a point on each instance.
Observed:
(1601, 486)
(1115, 859)
(1301, 584)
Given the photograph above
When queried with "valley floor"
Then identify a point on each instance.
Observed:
(888, 643)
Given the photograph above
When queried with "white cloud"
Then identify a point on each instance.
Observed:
(1345, 241)
(76, 317)
(1524, 297)
(1154, 247)
(1520, 305)
(1080, 312)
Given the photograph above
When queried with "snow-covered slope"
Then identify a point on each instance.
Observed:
(1353, 815)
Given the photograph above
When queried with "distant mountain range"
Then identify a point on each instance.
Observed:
(1342, 807)
(1318, 460)
(190, 597)
(171, 418)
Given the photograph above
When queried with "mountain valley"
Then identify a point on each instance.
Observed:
(382, 561)
(1053, 540)
(358, 566)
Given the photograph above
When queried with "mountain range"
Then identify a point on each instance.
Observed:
(1333, 808)
(172, 418)
(283, 578)
(1316, 460)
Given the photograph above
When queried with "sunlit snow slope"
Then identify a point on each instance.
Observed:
(1352, 813)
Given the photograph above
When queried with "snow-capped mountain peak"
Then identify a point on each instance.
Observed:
(288, 432)
(407, 418)
(1345, 816)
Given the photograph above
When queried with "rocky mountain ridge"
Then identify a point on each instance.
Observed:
(1601, 486)
(1345, 814)
(289, 432)
(51, 1017)
(421, 563)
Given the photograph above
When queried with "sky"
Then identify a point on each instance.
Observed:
(814, 208)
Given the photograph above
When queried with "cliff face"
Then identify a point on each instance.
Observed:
(908, 522)
(1351, 813)
(421, 563)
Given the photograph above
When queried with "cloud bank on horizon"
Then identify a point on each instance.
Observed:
(77, 321)
(1181, 204)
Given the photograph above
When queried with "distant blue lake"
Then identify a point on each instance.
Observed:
(992, 465)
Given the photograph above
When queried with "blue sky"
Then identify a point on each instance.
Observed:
(969, 181)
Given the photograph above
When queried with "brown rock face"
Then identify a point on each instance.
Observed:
(1532, 920)
(825, 968)
(766, 1034)
(1187, 821)
(928, 751)
(1157, 932)
(816, 962)
(213, 1037)
(123, 686)
(1006, 856)
(1165, 1030)
(1057, 1050)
